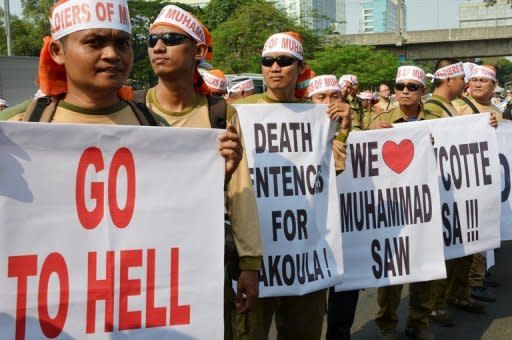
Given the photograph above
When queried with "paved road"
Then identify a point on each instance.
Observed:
(496, 324)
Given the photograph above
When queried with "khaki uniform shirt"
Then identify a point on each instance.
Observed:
(240, 197)
(435, 111)
(464, 109)
(119, 114)
(396, 115)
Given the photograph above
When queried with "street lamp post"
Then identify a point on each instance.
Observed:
(8, 27)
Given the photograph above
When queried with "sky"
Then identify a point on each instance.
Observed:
(421, 14)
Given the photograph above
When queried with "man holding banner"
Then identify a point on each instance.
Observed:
(341, 306)
(409, 87)
(297, 316)
(481, 85)
(175, 51)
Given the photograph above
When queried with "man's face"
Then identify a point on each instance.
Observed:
(481, 88)
(181, 55)
(347, 89)
(95, 59)
(457, 86)
(281, 77)
(384, 91)
(2, 107)
(408, 92)
(327, 97)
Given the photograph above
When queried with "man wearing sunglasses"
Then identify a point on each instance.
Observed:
(177, 42)
(297, 317)
(409, 87)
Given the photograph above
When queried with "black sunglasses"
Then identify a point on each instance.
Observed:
(282, 61)
(411, 87)
(168, 38)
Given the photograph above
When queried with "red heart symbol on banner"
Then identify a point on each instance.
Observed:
(398, 157)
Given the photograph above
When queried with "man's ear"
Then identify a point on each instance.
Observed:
(57, 52)
(202, 51)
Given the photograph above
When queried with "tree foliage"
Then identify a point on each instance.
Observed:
(372, 66)
(238, 41)
(493, 2)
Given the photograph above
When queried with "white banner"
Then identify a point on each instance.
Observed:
(100, 234)
(389, 205)
(504, 134)
(290, 158)
(469, 183)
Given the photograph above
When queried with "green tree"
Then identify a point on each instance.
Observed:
(218, 11)
(238, 41)
(493, 2)
(371, 66)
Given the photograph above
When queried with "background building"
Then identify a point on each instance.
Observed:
(379, 16)
(319, 15)
(478, 15)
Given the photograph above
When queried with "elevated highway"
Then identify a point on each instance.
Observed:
(435, 44)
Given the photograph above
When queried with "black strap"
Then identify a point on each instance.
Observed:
(217, 112)
(140, 96)
(40, 106)
(441, 105)
(142, 113)
(470, 104)
(507, 113)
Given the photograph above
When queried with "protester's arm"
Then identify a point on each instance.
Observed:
(230, 148)
(12, 111)
(243, 213)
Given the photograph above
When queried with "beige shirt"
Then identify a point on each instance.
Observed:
(120, 114)
(240, 198)
(464, 109)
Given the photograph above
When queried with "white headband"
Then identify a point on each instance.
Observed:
(323, 84)
(366, 95)
(76, 15)
(177, 17)
(483, 72)
(468, 68)
(242, 86)
(215, 82)
(410, 73)
(283, 43)
(450, 71)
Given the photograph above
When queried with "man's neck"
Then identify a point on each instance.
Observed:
(175, 96)
(282, 95)
(91, 101)
(410, 110)
(444, 93)
(483, 101)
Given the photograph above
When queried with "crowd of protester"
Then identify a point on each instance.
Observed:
(83, 71)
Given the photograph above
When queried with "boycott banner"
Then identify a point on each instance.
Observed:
(389, 206)
(289, 154)
(100, 235)
(469, 182)
(504, 135)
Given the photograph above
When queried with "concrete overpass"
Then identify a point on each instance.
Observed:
(435, 44)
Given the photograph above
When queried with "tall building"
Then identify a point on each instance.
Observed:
(381, 16)
(478, 15)
(319, 15)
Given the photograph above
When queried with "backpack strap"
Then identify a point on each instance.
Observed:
(142, 113)
(140, 95)
(507, 113)
(470, 104)
(441, 105)
(41, 109)
(217, 112)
